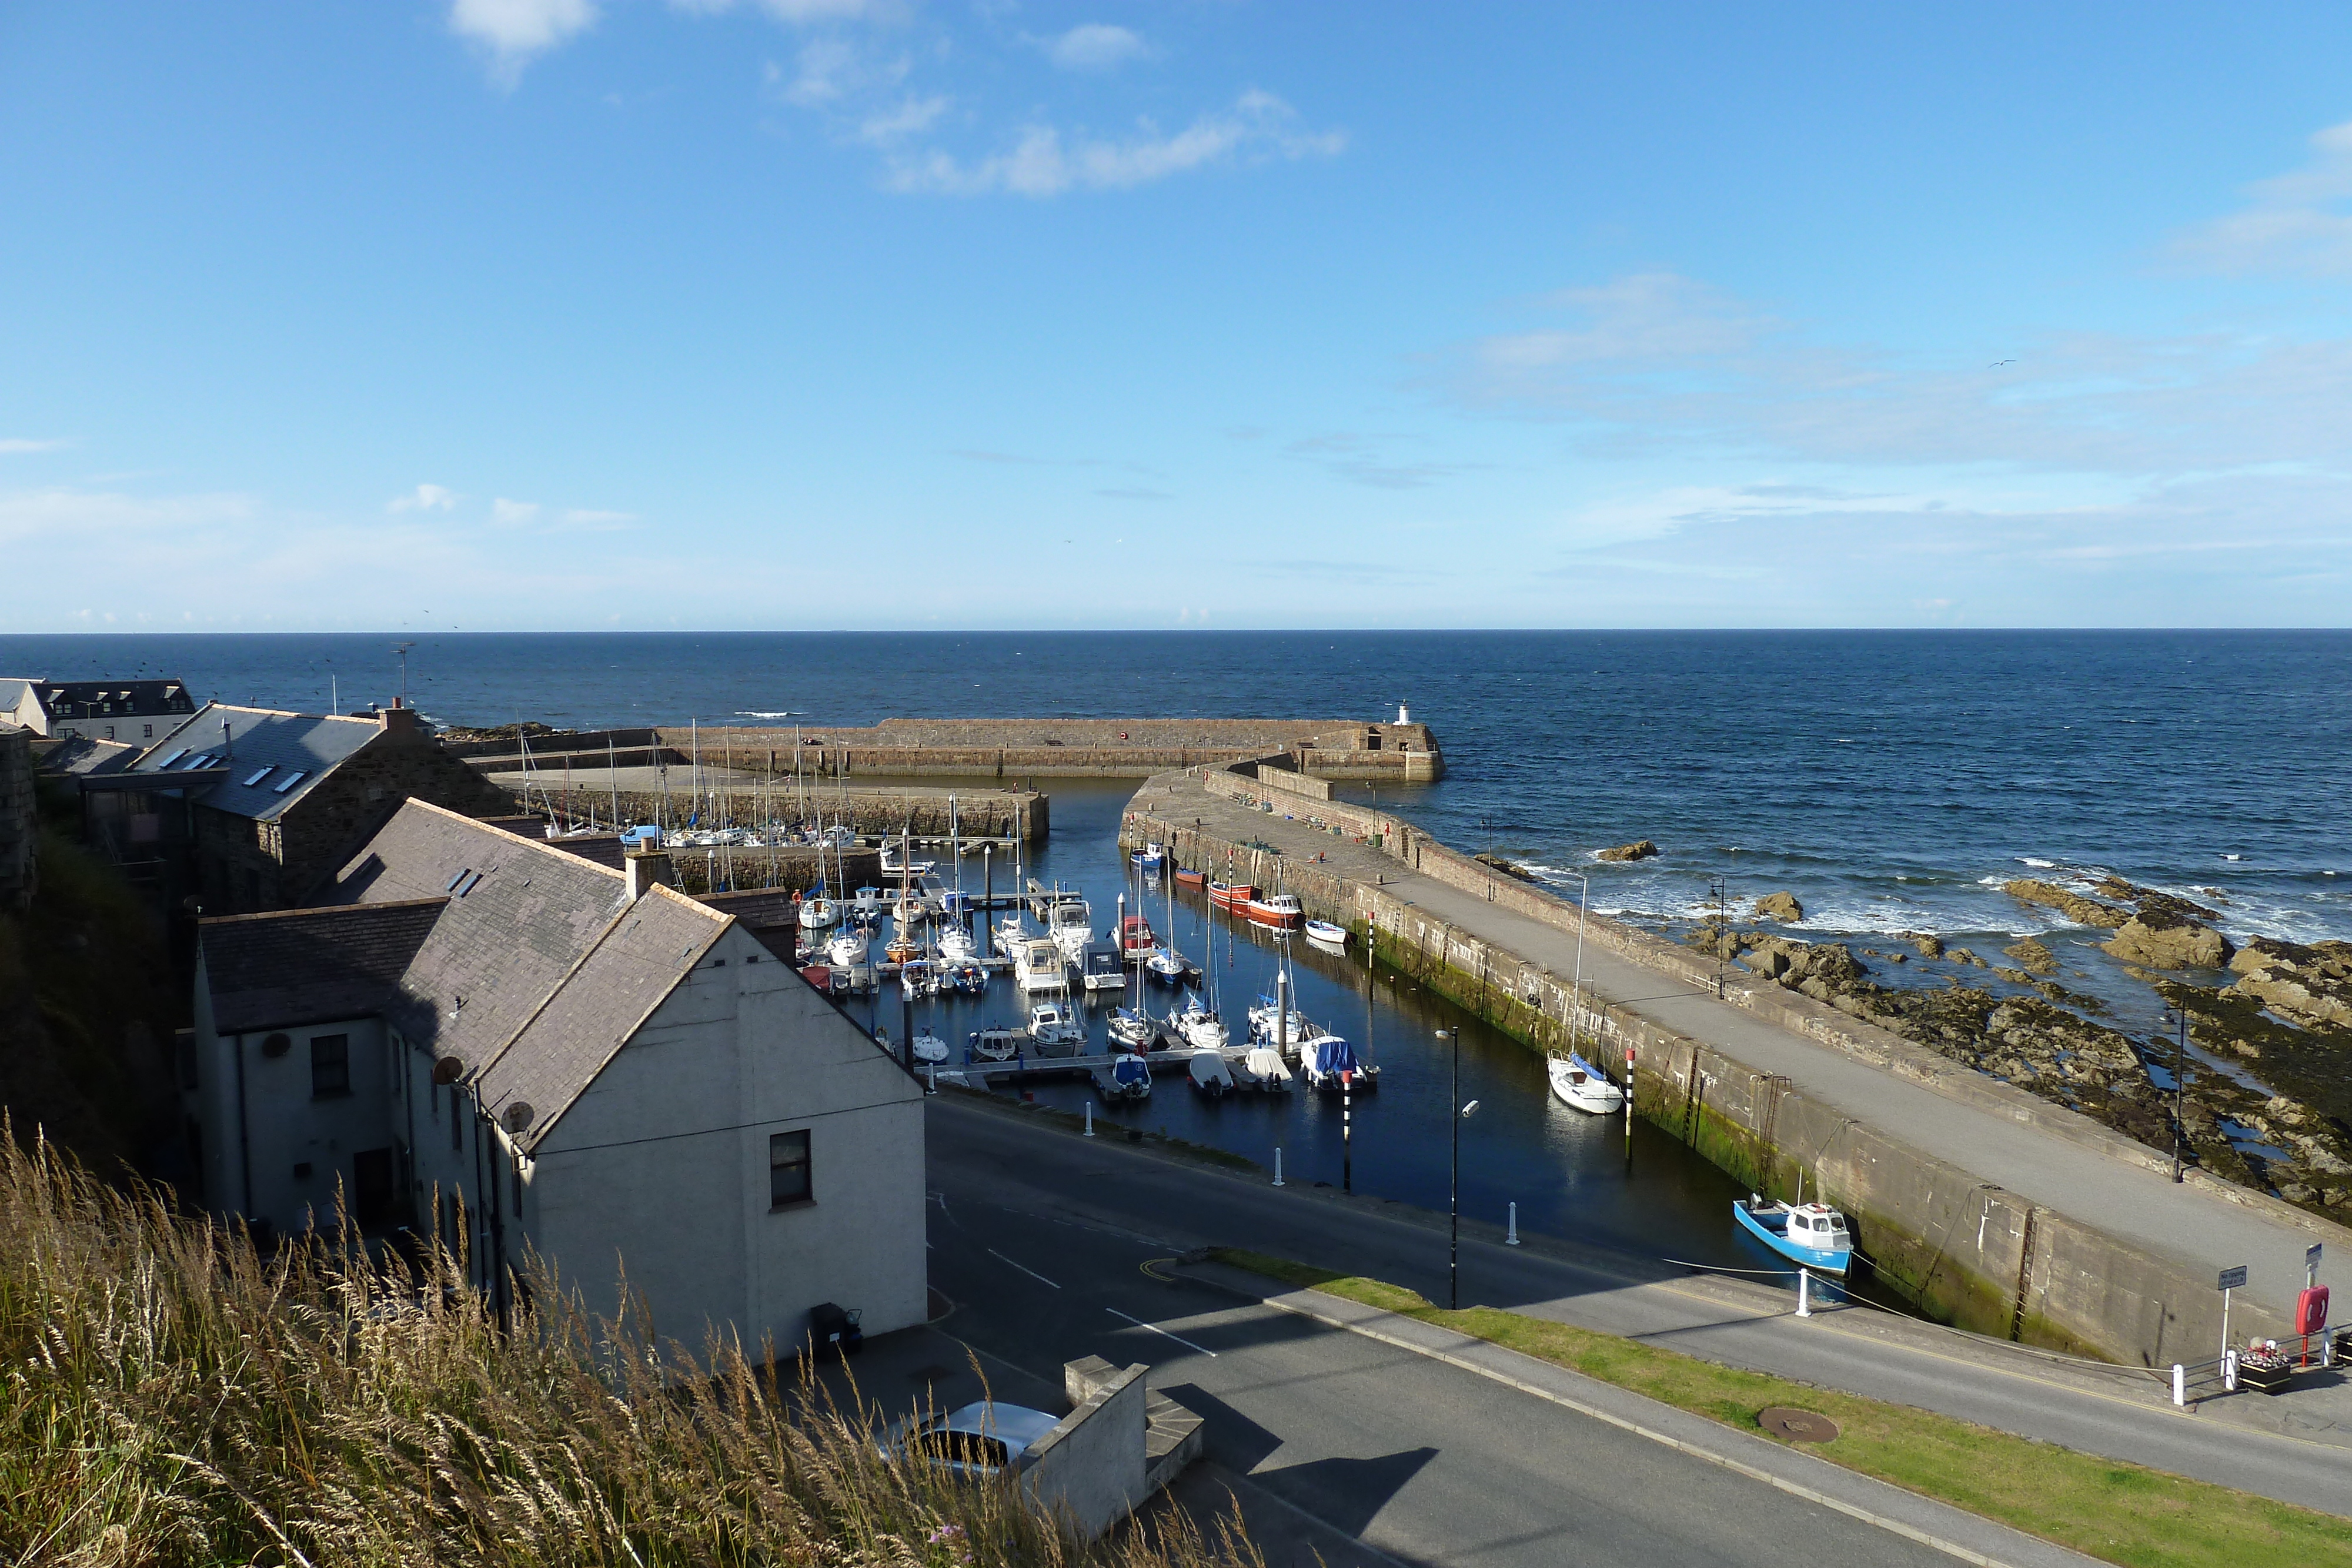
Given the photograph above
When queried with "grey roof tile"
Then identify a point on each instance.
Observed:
(284, 744)
(308, 965)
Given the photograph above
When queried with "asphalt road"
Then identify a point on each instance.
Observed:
(1423, 1462)
(1086, 1213)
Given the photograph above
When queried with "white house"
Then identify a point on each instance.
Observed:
(486, 1038)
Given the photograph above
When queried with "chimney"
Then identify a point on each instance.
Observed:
(647, 867)
(400, 719)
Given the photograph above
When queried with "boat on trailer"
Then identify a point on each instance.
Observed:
(1813, 1234)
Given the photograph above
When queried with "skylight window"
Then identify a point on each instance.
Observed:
(289, 781)
(471, 883)
(174, 760)
(451, 885)
(259, 774)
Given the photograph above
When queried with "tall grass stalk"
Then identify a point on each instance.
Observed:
(169, 1396)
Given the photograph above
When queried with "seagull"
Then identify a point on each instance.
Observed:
(1998, 363)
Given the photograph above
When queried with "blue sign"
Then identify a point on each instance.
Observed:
(2233, 1279)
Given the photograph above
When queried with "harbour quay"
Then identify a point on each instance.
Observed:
(1985, 1206)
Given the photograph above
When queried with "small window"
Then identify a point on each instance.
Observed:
(147, 732)
(258, 774)
(288, 783)
(788, 1169)
(330, 1065)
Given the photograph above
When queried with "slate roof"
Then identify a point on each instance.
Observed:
(259, 740)
(309, 966)
(79, 754)
(81, 699)
(539, 968)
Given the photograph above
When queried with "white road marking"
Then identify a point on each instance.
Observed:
(1155, 1328)
(1030, 1272)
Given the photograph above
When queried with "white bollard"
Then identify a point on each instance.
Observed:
(2230, 1370)
(1804, 1292)
(2179, 1383)
(1513, 1239)
(931, 1078)
(1090, 1118)
(1277, 1164)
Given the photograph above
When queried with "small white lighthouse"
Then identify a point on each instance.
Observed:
(1402, 716)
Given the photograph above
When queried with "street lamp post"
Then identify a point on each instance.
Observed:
(1456, 1114)
(1719, 887)
(2179, 1018)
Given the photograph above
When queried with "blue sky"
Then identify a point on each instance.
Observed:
(874, 313)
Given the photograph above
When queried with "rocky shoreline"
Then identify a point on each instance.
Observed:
(2277, 1115)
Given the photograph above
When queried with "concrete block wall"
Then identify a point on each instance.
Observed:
(1091, 1465)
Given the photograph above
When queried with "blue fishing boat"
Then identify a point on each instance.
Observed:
(1813, 1234)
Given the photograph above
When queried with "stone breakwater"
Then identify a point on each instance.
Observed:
(1965, 1249)
(872, 814)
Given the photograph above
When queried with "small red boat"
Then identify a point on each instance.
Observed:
(819, 976)
(1191, 878)
(1233, 895)
(1135, 937)
(1280, 910)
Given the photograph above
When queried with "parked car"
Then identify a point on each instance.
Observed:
(979, 1439)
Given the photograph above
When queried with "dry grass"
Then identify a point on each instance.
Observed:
(169, 1397)
(2103, 1508)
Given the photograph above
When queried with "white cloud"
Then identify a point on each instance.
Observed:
(1095, 46)
(425, 497)
(912, 117)
(513, 514)
(1044, 164)
(13, 445)
(2299, 222)
(515, 30)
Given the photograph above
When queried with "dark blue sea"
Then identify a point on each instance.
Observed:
(1891, 780)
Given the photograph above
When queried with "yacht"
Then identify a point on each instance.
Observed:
(1132, 1029)
(1038, 965)
(817, 911)
(957, 947)
(1198, 1027)
(1057, 1034)
(1583, 1085)
(851, 958)
(1099, 969)
(1070, 922)
(929, 1048)
(1265, 1024)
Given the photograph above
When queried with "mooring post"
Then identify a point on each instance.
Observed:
(1277, 1164)
(1513, 1239)
(1804, 1292)
(2179, 1384)
(1090, 1118)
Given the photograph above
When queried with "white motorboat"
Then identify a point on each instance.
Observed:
(1070, 922)
(1055, 1032)
(919, 978)
(1583, 1085)
(1132, 1029)
(869, 901)
(930, 1049)
(1037, 967)
(1331, 1065)
(1198, 1027)
(1261, 1069)
(1099, 969)
(994, 1044)
(1212, 1075)
(1813, 1234)
(1150, 857)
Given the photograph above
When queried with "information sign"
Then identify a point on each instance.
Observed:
(2233, 1279)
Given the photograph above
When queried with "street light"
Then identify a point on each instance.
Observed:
(2177, 1017)
(1456, 1114)
(1718, 887)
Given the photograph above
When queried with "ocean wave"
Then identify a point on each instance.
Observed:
(2037, 865)
(757, 713)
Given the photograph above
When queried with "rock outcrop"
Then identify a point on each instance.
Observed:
(1781, 906)
(2168, 935)
(2073, 905)
(1639, 849)
(2032, 955)
(1930, 947)
(1508, 868)
(2310, 986)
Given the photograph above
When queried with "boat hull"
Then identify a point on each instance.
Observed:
(1821, 1259)
(1273, 917)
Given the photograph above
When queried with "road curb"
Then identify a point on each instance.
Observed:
(2018, 1549)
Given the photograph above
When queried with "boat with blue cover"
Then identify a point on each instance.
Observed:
(1813, 1234)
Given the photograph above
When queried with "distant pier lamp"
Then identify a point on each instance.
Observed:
(1457, 1113)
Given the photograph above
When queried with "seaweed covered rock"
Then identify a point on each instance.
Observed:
(1781, 906)
(2032, 956)
(2168, 935)
(2073, 905)
(2310, 986)
(1639, 849)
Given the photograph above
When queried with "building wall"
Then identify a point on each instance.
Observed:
(19, 818)
(661, 1167)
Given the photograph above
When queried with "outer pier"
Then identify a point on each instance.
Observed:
(1991, 1208)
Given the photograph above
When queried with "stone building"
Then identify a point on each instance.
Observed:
(272, 802)
(131, 712)
(486, 1039)
(19, 818)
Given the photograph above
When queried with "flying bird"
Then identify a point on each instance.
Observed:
(1998, 363)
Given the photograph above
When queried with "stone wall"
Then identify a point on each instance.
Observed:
(1965, 1250)
(19, 818)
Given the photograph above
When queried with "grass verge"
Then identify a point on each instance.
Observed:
(2103, 1508)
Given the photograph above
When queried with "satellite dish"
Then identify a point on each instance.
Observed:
(448, 1070)
(276, 1045)
(516, 1117)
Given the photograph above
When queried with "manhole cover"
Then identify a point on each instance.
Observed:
(1799, 1426)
